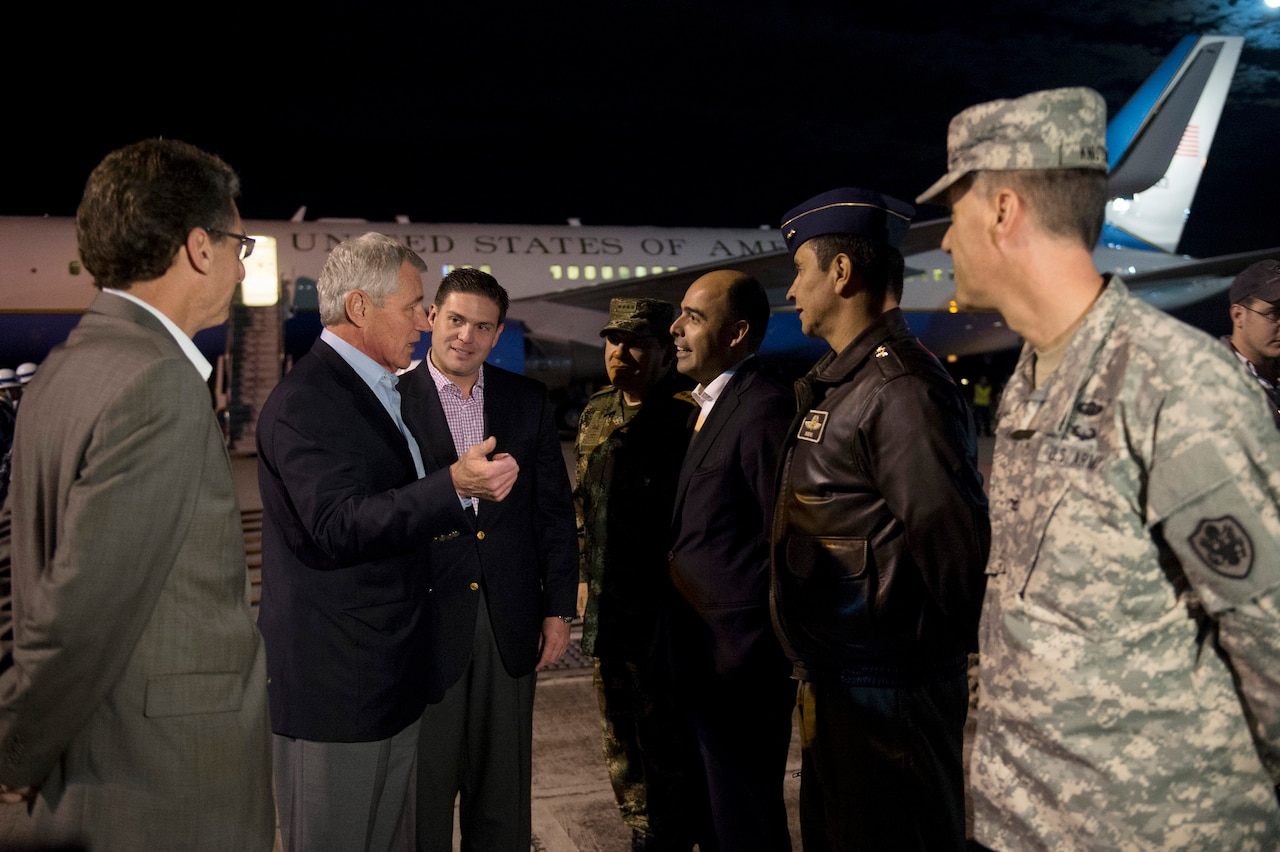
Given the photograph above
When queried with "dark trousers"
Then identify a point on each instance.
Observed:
(478, 742)
(743, 727)
(652, 758)
(881, 767)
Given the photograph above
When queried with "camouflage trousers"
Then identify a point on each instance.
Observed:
(652, 758)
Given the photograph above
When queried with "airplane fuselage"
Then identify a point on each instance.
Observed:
(40, 270)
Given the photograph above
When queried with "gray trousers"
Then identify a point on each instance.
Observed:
(341, 797)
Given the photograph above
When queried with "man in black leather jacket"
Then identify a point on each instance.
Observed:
(879, 544)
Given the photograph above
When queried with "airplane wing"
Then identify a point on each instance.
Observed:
(1194, 280)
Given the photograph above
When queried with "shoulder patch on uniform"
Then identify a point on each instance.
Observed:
(812, 426)
(1223, 545)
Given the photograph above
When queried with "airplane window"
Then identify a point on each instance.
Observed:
(446, 268)
(574, 273)
(606, 273)
(641, 272)
(590, 273)
(557, 272)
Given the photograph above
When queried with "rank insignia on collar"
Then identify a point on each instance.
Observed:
(1223, 545)
(812, 425)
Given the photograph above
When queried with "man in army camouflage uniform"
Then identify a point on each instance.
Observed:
(631, 439)
(1129, 692)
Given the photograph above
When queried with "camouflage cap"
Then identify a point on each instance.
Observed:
(1053, 129)
(652, 317)
(1259, 281)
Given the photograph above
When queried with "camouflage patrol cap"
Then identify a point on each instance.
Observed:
(643, 317)
(1053, 129)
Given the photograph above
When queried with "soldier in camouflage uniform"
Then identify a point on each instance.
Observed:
(1129, 688)
(631, 440)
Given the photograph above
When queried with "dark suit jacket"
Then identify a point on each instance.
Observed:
(137, 698)
(346, 526)
(522, 550)
(723, 510)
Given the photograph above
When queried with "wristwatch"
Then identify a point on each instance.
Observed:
(567, 619)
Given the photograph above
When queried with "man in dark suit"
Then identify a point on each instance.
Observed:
(728, 665)
(503, 591)
(349, 511)
(134, 713)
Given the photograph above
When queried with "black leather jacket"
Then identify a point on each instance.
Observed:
(881, 532)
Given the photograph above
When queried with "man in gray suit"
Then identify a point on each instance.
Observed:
(134, 714)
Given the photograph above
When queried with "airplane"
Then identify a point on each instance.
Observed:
(1158, 146)
(561, 278)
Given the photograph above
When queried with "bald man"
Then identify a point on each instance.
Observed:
(730, 672)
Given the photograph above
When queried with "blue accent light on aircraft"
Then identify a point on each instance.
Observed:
(1116, 238)
(783, 338)
(1128, 121)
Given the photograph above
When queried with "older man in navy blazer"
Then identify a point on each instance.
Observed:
(727, 662)
(349, 512)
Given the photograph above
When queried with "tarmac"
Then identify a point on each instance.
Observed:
(573, 807)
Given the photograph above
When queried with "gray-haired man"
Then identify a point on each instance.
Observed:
(1128, 692)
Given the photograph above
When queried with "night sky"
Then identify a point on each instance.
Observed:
(614, 113)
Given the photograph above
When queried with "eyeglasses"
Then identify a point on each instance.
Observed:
(1272, 316)
(246, 243)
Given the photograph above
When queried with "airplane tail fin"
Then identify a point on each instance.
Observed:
(1159, 142)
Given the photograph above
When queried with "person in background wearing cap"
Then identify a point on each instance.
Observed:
(730, 673)
(8, 416)
(9, 385)
(14, 382)
(26, 371)
(1255, 327)
(1129, 695)
(136, 705)
(879, 541)
(631, 440)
